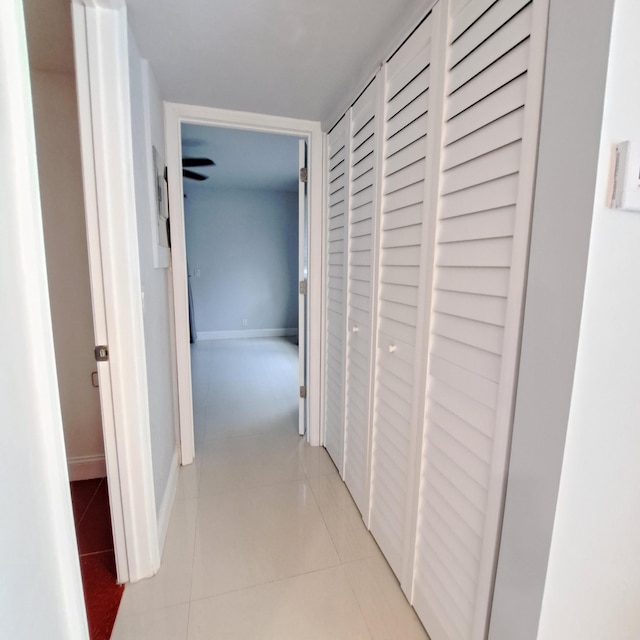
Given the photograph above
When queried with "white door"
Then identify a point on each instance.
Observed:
(100, 37)
(336, 260)
(302, 291)
(98, 295)
(409, 156)
(363, 158)
(489, 144)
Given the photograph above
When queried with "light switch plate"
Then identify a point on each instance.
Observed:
(625, 192)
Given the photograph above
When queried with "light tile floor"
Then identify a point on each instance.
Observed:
(264, 541)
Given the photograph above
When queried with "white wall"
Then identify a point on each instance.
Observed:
(244, 242)
(569, 145)
(593, 582)
(148, 130)
(58, 150)
(40, 586)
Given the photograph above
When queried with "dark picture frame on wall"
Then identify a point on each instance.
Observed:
(162, 201)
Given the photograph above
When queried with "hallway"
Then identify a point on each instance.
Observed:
(264, 539)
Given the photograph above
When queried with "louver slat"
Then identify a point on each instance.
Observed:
(493, 164)
(506, 39)
(478, 21)
(492, 78)
(506, 100)
(409, 92)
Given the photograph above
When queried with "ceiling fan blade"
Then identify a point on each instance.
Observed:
(193, 175)
(198, 162)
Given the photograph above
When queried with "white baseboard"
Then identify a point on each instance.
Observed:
(86, 467)
(246, 333)
(164, 512)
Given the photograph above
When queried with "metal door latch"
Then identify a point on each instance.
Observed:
(101, 353)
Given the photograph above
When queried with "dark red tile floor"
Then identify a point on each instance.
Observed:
(102, 594)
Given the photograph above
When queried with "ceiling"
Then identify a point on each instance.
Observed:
(296, 58)
(244, 159)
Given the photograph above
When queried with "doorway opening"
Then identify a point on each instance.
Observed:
(245, 222)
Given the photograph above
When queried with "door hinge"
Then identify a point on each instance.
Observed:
(304, 174)
(101, 353)
(304, 287)
(303, 392)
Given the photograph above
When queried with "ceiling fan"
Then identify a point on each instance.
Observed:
(196, 162)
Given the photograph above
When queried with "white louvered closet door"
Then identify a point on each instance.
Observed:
(492, 99)
(361, 261)
(338, 172)
(410, 123)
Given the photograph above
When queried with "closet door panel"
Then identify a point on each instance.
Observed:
(403, 294)
(491, 108)
(360, 302)
(338, 179)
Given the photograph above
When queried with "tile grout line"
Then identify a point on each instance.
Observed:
(269, 582)
(95, 553)
(91, 499)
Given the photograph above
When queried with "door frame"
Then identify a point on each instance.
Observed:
(175, 115)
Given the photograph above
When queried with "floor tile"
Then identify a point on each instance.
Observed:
(347, 530)
(188, 481)
(236, 463)
(92, 518)
(101, 592)
(316, 461)
(254, 536)
(94, 531)
(388, 614)
(82, 491)
(232, 410)
(164, 624)
(172, 584)
(314, 606)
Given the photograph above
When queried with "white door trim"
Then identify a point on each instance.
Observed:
(104, 105)
(175, 115)
(302, 298)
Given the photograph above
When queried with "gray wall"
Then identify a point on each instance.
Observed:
(592, 588)
(244, 244)
(577, 55)
(156, 285)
